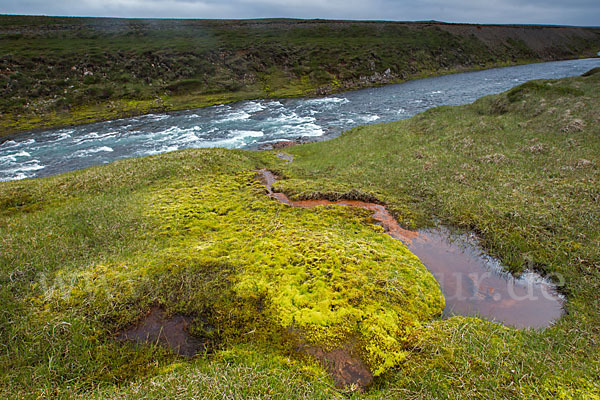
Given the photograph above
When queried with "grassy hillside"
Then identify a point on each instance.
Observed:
(58, 71)
(88, 253)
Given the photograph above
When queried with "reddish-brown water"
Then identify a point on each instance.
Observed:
(472, 283)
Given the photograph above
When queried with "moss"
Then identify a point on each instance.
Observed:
(240, 262)
(540, 87)
(299, 189)
(591, 72)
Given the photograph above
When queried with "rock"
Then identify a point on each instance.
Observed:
(282, 144)
(285, 143)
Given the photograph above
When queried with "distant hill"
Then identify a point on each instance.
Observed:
(60, 70)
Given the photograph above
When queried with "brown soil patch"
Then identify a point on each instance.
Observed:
(285, 143)
(347, 369)
(171, 332)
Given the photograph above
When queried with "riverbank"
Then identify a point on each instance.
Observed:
(14, 123)
(258, 123)
(91, 254)
(66, 71)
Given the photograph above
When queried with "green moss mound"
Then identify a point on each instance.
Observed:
(591, 72)
(247, 266)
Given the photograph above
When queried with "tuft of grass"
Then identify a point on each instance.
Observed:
(592, 71)
(540, 87)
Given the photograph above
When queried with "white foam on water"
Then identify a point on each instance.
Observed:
(253, 107)
(179, 135)
(328, 100)
(238, 139)
(151, 152)
(32, 165)
(9, 143)
(87, 152)
(13, 157)
(294, 118)
(166, 149)
(63, 136)
(103, 148)
(235, 116)
(173, 131)
(240, 135)
(94, 136)
(22, 171)
(16, 177)
(188, 137)
(436, 92)
(12, 143)
(308, 129)
(203, 135)
(369, 118)
(156, 117)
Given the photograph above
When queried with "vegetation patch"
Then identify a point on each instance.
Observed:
(323, 274)
(230, 265)
(592, 71)
(540, 87)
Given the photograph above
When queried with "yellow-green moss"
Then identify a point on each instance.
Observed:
(246, 263)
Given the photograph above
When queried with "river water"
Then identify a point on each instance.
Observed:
(249, 124)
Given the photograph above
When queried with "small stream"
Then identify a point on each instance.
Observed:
(473, 283)
(256, 123)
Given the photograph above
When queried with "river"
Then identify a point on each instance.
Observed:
(249, 124)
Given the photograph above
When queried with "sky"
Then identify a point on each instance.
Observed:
(553, 12)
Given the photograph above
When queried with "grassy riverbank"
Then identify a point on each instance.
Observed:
(88, 253)
(58, 71)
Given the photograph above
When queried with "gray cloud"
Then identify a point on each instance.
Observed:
(573, 12)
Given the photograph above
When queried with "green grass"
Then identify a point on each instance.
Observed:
(62, 71)
(85, 254)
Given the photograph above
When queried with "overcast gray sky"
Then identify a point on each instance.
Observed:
(560, 12)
